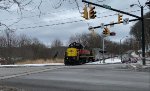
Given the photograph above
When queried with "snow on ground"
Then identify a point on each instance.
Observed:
(32, 65)
(107, 61)
(133, 54)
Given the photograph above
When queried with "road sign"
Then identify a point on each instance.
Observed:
(126, 21)
(102, 25)
(106, 6)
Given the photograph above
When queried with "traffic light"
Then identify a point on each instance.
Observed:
(106, 31)
(92, 13)
(85, 13)
(119, 18)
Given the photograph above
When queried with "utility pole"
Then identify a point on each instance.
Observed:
(121, 47)
(138, 18)
(143, 36)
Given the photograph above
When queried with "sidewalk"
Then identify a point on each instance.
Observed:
(139, 67)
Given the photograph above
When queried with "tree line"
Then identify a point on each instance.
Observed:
(136, 30)
(21, 47)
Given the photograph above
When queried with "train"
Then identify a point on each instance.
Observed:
(76, 54)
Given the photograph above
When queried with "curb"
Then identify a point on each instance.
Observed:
(139, 67)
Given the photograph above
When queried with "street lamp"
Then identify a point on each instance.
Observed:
(143, 34)
(121, 47)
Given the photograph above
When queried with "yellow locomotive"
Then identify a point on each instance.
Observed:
(76, 54)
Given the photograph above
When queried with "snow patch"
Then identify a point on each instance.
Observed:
(32, 65)
(133, 54)
(107, 61)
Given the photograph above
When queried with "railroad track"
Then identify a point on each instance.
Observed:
(6, 73)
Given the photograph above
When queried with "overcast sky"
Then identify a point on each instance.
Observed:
(64, 21)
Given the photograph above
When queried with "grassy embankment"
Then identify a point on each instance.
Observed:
(41, 61)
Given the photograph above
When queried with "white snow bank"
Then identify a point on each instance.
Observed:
(32, 65)
(133, 54)
(107, 61)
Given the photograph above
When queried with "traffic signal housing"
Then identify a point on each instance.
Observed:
(85, 13)
(92, 13)
(106, 31)
(120, 18)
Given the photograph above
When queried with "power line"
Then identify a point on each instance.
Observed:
(83, 20)
(41, 14)
(52, 20)
(52, 24)
(54, 12)
(66, 22)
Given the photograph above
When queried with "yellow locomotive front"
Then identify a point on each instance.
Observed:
(76, 54)
(71, 56)
(71, 52)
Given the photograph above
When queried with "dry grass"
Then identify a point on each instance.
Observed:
(41, 61)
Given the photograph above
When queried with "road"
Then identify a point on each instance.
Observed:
(110, 77)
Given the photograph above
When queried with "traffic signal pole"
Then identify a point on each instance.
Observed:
(111, 9)
(138, 18)
(113, 24)
(143, 36)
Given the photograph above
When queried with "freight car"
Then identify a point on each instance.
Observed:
(76, 54)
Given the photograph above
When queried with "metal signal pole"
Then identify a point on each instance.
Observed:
(143, 37)
(138, 18)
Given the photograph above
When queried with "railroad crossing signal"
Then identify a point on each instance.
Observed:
(85, 13)
(92, 13)
(106, 31)
(120, 18)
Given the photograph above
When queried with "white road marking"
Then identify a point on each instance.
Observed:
(29, 72)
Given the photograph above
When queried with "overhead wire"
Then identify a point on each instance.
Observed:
(52, 24)
(70, 18)
(41, 14)
(49, 13)
(62, 23)
(58, 11)
(76, 21)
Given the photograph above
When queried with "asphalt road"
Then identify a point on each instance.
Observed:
(82, 78)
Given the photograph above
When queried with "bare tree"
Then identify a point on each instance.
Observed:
(2, 41)
(87, 40)
(136, 30)
(56, 43)
(24, 40)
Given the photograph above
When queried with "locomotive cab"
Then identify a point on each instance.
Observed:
(75, 54)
